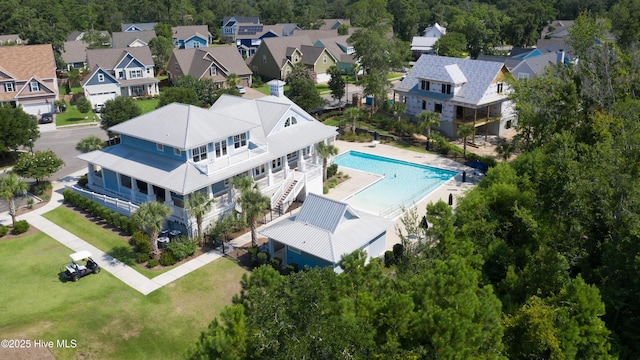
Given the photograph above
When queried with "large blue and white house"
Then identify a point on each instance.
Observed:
(323, 231)
(119, 72)
(462, 91)
(172, 152)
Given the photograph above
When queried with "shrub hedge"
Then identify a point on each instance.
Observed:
(114, 218)
(3, 230)
(20, 227)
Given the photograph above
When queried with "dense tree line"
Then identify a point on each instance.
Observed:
(540, 260)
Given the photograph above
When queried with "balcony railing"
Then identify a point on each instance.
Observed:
(211, 167)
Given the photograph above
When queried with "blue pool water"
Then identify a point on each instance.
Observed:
(402, 185)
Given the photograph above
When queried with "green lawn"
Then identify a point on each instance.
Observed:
(99, 237)
(74, 117)
(147, 105)
(107, 318)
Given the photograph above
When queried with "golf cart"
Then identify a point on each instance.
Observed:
(81, 265)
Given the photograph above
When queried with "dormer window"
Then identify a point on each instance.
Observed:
(196, 44)
(159, 147)
(35, 86)
(135, 74)
(199, 153)
(424, 85)
(221, 148)
(177, 152)
(100, 77)
(9, 87)
(213, 71)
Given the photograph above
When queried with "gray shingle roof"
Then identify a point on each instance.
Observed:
(186, 32)
(281, 47)
(141, 26)
(327, 228)
(196, 62)
(74, 51)
(124, 39)
(108, 58)
(479, 76)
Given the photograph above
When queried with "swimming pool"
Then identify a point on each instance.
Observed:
(402, 185)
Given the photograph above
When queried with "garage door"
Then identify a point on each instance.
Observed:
(101, 98)
(37, 108)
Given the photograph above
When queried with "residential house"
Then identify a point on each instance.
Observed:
(288, 28)
(249, 37)
(276, 57)
(192, 36)
(424, 44)
(215, 63)
(132, 39)
(557, 29)
(174, 151)
(137, 27)
(462, 91)
(323, 231)
(28, 78)
(535, 66)
(342, 50)
(119, 72)
(11, 39)
(230, 25)
(74, 54)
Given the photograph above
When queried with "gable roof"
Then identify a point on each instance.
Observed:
(333, 24)
(74, 51)
(108, 59)
(479, 76)
(310, 54)
(282, 47)
(338, 46)
(197, 61)
(288, 28)
(135, 26)
(14, 38)
(558, 29)
(327, 228)
(437, 27)
(25, 62)
(423, 42)
(124, 39)
(186, 32)
(510, 62)
(537, 64)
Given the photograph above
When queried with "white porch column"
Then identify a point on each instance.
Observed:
(90, 175)
(167, 197)
(209, 192)
(269, 174)
(300, 160)
(285, 166)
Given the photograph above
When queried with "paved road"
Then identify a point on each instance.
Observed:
(63, 143)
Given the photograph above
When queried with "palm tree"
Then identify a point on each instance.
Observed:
(252, 202)
(198, 205)
(464, 131)
(398, 109)
(90, 143)
(233, 80)
(428, 119)
(150, 216)
(9, 187)
(326, 151)
(352, 114)
(506, 149)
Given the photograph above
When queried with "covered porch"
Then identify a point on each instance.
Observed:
(479, 116)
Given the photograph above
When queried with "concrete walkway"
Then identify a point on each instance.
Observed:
(357, 181)
(107, 262)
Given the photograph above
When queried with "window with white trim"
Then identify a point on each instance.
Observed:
(292, 156)
(324, 59)
(259, 170)
(221, 148)
(523, 75)
(159, 147)
(276, 163)
(9, 87)
(213, 71)
(196, 45)
(199, 153)
(290, 121)
(240, 140)
(177, 152)
(306, 151)
(424, 85)
(100, 77)
(135, 74)
(35, 86)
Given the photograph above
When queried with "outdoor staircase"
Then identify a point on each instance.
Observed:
(284, 195)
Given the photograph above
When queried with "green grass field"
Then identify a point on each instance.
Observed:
(99, 237)
(147, 105)
(107, 318)
(72, 116)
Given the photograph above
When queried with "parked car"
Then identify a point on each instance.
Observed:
(76, 269)
(46, 118)
(241, 89)
(98, 107)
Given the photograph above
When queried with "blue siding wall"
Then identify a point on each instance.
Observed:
(110, 180)
(218, 187)
(94, 79)
(189, 43)
(151, 147)
(303, 259)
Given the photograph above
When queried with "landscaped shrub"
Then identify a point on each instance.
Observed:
(332, 183)
(398, 252)
(262, 258)
(325, 189)
(276, 262)
(142, 258)
(167, 259)
(112, 217)
(20, 227)
(83, 105)
(388, 258)
(3, 230)
(292, 268)
(152, 263)
(83, 180)
(141, 243)
(332, 170)
(182, 247)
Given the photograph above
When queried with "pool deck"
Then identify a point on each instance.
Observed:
(359, 180)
